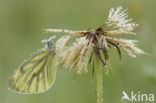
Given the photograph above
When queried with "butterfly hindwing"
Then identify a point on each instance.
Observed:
(36, 74)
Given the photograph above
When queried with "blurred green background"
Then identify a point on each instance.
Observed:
(21, 24)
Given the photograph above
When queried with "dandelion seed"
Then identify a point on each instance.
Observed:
(118, 20)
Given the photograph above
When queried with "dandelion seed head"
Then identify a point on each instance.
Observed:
(91, 45)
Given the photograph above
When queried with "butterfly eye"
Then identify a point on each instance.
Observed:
(50, 44)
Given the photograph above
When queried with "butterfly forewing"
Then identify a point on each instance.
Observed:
(36, 74)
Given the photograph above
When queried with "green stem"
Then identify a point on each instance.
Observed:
(99, 81)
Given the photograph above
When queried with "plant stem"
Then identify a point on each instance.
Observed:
(99, 81)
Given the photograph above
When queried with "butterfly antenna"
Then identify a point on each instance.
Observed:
(52, 37)
(45, 40)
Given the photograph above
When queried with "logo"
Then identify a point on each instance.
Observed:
(140, 97)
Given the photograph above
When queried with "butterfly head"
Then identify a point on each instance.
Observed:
(49, 43)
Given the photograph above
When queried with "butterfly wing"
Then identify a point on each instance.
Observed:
(36, 74)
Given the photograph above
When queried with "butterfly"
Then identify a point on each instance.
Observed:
(37, 74)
